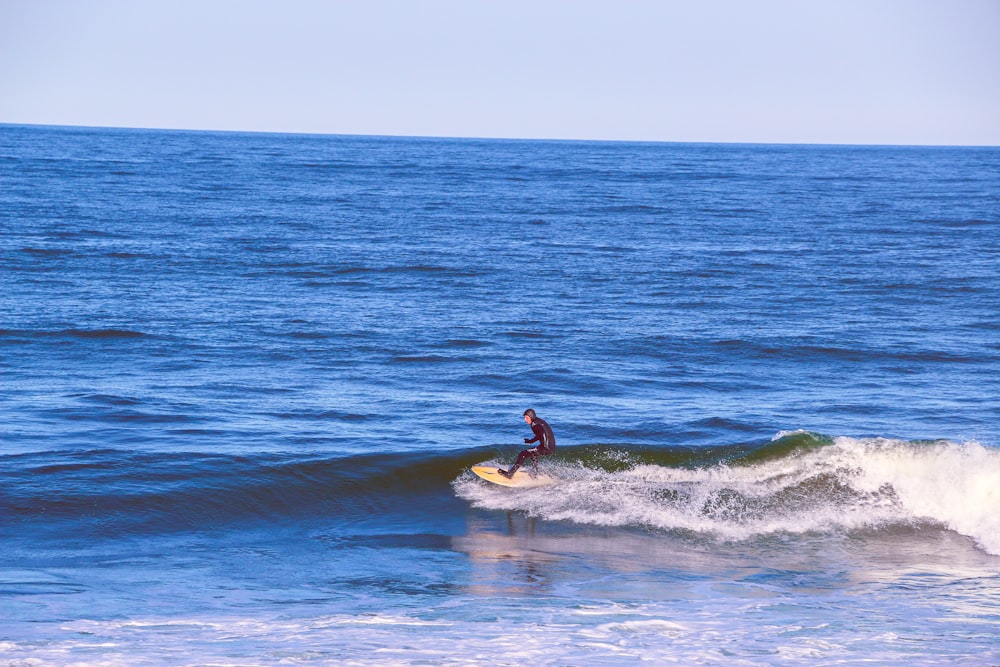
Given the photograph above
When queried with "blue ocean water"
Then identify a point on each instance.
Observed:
(243, 377)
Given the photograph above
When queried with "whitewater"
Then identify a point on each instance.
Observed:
(802, 484)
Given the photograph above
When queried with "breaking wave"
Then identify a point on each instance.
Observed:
(799, 483)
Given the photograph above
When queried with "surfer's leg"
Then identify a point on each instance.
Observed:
(533, 453)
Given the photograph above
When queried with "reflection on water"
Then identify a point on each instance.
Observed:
(512, 554)
(511, 562)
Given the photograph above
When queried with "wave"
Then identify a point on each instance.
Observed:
(801, 483)
(111, 492)
(430, 359)
(798, 484)
(48, 252)
(841, 354)
(97, 334)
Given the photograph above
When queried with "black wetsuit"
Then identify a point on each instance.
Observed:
(546, 444)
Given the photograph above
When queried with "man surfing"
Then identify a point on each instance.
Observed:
(543, 436)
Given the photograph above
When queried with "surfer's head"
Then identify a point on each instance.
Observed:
(529, 415)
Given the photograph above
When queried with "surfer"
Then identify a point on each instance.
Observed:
(543, 436)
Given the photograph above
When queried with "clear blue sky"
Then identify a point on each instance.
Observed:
(814, 71)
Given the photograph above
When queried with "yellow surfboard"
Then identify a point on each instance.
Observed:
(521, 479)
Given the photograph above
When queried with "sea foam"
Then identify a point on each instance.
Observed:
(846, 485)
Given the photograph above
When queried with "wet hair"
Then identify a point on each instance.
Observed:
(530, 413)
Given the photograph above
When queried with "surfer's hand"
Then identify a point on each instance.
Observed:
(527, 440)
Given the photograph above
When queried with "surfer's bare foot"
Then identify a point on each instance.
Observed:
(504, 473)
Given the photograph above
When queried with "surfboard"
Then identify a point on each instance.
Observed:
(521, 479)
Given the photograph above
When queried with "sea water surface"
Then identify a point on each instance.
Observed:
(243, 377)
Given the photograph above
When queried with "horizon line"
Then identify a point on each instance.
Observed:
(140, 128)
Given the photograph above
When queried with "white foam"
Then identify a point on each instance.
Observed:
(956, 485)
(704, 623)
(652, 626)
(848, 485)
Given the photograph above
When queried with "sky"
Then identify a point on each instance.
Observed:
(764, 71)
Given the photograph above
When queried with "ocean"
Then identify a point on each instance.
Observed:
(243, 378)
